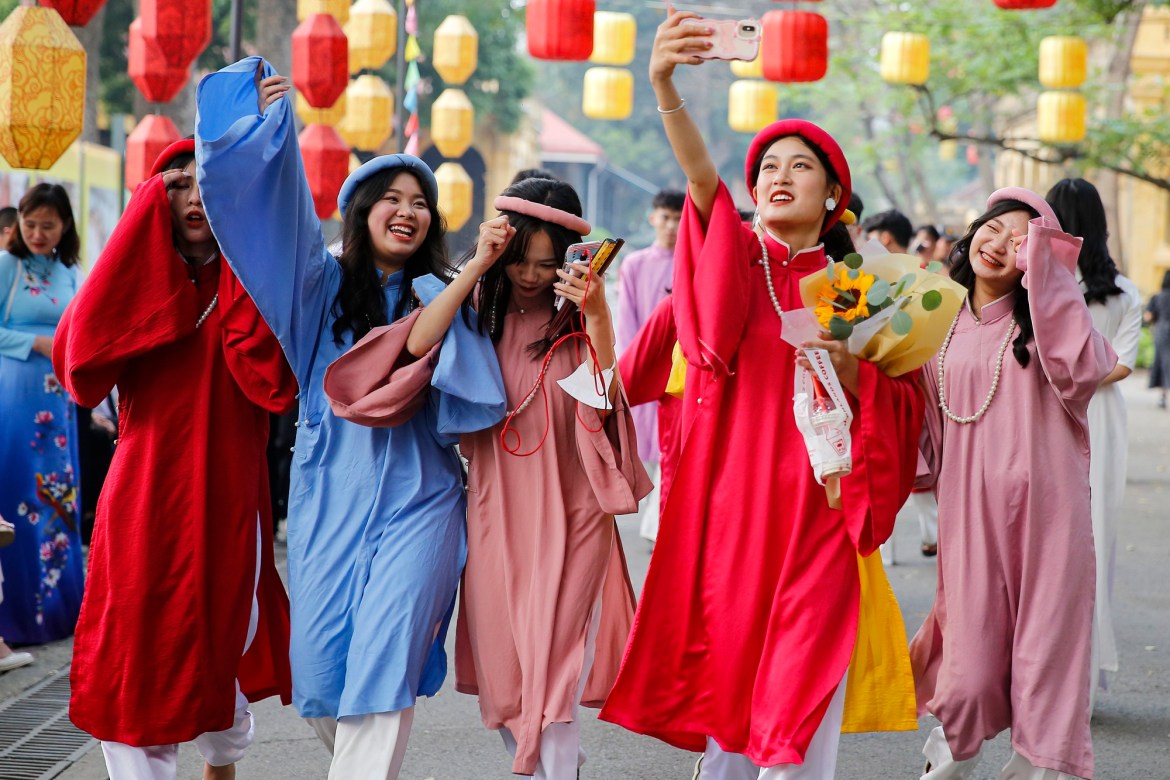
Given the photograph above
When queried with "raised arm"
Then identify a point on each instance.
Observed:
(259, 206)
(675, 44)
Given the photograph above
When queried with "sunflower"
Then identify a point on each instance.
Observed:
(844, 297)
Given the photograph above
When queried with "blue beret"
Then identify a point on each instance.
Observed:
(384, 163)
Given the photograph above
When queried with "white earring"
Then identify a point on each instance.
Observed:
(830, 204)
(756, 218)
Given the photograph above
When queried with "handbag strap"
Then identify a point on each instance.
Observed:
(12, 292)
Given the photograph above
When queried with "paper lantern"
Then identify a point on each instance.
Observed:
(330, 115)
(148, 68)
(613, 38)
(1064, 62)
(455, 54)
(1024, 5)
(76, 13)
(608, 93)
(456, 191)
(369, 113)
(326, 159)
(948, 150)
(752, 105)
(143, 146)
(181, 29)
(42, 87)
(905, 58)
(560, 29)
(338, 9)
(798, 46)
(320, 60)
(372, 31)
(1060, 117)
(452, 123)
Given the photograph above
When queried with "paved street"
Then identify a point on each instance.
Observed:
(1131, 727)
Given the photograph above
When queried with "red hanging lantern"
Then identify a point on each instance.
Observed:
(320, 60)
(143, 146)
(1024, 5)
(181, 29)
(797, 46)
(156, 80)
(560, 29)
(76, 13)
(326, 159)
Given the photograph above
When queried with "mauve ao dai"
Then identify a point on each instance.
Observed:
(1007, 643)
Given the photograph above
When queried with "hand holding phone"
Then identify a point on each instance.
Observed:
(596, 254)
(733, 40)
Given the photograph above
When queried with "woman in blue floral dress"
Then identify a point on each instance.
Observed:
(43, 572)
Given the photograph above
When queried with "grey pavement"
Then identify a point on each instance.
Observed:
(1131, 727)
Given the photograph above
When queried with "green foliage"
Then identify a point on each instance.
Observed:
(7, 7)
(901, 323)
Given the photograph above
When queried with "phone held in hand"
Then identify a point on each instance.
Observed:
(733, 40)
(597, 254)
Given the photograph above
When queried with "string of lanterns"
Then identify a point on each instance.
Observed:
(455, 57)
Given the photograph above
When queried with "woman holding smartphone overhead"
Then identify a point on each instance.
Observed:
(749, 614)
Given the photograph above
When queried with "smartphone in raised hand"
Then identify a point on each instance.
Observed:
(732, 39)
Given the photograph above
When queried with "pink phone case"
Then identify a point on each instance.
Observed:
(734, 40)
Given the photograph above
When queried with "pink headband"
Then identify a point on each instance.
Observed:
(541, 211)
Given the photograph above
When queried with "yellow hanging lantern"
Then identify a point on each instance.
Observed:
(455, 194)
(752, 105)
(42, 87)
(456, 50)
(369, 113)
(613, 38)
(608, 93)
(1064, 62)
(1060, 117)
(338, 9)
(948, 150)
(331, 116)
(452, 123)
(905, 58)
(372, 31)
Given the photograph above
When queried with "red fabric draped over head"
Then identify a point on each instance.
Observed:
(815, 137)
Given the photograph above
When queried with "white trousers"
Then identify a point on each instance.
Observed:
(561, 754)
(943, 766)
(371, 746)
(648, 509)
(218, 748)
(921, 508)
(820, 760)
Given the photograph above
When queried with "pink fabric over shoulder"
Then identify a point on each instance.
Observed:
(375, 383)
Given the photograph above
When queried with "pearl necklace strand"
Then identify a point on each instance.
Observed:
(942, 357)
(768, 278)
(206, 312)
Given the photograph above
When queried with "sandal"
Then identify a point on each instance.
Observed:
(929, 550)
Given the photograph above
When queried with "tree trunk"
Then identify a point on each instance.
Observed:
(275, 22)
(90, 37)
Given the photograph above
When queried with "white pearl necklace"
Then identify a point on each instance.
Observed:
(768, 277)
(206, 312)
(942, 357)
(528, 398)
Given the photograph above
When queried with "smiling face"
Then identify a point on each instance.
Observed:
(193, 236)
(792, 187)
(993, 253)
(41, 228)
(399, 222)
(534, 274)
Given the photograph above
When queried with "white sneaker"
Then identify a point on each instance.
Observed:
(15, 660)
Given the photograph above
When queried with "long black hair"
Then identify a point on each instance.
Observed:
(1078, 207)
(495, 289)
(55, 197)
(360, 304)
(964, 274)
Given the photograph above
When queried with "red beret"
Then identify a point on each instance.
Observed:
(185, 146)
(812, 135)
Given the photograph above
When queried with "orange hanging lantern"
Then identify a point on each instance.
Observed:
(456, 191)
(372, 31)
(1064, 62)
(326, 159)
(181, 29)
(369, 113)
(76, 13)
(311, 115)
(1024, 5)
(143, 146)
(905, 58)
(752, 105)
(798, 46)
(156, 80)
(1060, 117)
(320, 60)
(613, 38)
(338, 9)
(455, 54)
(452, 123)
(560, 29)
(42, 87)
(608, 93)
